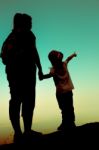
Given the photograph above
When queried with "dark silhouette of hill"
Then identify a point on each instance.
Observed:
(84, 135)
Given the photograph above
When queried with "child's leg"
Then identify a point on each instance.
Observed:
(65, 102)
(68, 109)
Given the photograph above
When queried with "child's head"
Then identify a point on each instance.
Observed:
(55, 57)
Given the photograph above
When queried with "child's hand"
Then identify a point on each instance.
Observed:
(75, 54)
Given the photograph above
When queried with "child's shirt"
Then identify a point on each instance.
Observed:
(62, 78)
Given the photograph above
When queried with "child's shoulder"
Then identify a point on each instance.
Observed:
(65, 62)
(52, 70)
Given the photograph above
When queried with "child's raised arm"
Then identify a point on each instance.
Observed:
(71, 56)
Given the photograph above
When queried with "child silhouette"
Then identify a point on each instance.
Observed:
(64, 87)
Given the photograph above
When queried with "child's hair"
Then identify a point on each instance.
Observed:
(55, 55)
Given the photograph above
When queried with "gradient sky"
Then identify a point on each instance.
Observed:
(66, 25)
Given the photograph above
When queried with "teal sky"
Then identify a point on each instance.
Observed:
(66, 25)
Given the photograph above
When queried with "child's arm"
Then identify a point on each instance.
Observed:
(46, 76)
(71, 56)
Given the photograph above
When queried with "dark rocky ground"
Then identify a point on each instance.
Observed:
(82, 137)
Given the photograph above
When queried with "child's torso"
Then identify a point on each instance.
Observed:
(62, 79)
